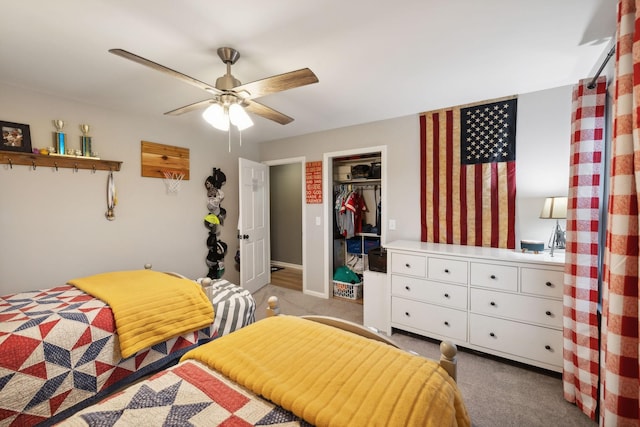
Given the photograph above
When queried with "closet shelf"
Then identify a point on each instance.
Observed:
(71, 162)
(368, 235)
(359, 181)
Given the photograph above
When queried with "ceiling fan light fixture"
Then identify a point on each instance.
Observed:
(216, 117)
(239, 117)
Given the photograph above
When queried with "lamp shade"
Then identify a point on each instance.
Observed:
(216, 117)
(239, 117)
(554, 208)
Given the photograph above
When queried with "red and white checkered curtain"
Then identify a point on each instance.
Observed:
(620, 377)
(580, 318)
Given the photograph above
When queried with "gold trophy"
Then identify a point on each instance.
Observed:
(59, 138)
(85, 141)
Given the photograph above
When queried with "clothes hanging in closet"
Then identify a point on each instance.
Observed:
(349, 210)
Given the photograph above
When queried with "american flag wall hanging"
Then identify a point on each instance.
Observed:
(468, 174)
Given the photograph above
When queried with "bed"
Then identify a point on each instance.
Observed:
(287, 371)
(66, 347)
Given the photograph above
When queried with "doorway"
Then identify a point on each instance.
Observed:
(328, 186)
(286, 223)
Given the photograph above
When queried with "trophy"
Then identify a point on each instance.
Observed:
(59, 138)
(85, 141)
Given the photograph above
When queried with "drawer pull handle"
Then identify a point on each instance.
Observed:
(446, 323)
(549, 284)
(491, 334)
(407, 287)
(493, 276)
(446, 295)
(446, 270)
(492, 303)
(406, 313)
(407, 265)
(547, 347)
(548, 313)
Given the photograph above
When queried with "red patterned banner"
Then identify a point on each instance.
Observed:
(314, 182)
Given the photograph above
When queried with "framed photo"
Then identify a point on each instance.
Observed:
(15, 137)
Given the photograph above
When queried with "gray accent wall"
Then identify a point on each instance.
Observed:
(286, 213)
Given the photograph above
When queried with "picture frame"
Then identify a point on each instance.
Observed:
(15, 137)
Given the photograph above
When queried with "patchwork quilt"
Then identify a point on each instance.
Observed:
(59, 353)
(186, 394)
(288, 371)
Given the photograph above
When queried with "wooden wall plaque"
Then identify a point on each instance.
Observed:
(157, 158)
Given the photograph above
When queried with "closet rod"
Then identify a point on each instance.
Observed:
(592, 84)
(358, 185)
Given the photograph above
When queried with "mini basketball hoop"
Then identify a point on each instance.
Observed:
(172, 180)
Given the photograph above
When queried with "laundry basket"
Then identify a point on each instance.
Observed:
(347, 290)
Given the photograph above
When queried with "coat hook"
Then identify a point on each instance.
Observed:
(75, 167)
(56, 165)
(33, 164)
(10, 164)
(94, 169)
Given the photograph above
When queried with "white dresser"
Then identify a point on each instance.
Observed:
(497, 301)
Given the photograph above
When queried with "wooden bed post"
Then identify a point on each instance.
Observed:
(448, 360)
(273, 309)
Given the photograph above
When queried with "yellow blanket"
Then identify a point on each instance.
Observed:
(333, 378)
(148, 306)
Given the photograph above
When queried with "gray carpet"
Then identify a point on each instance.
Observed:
(497, 394)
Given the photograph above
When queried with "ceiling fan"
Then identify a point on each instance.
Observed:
(229, 93)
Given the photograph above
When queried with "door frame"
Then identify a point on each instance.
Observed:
(303, 162)
(327, 190)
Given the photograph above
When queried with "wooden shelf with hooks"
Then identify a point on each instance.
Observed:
(71, 162)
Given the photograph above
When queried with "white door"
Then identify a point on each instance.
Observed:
(253, 225)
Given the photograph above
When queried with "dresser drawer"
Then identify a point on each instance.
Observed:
(520, 307)
(531, 342)
(412, 265)
(435, 292)
(494, 276)
(447, 270)
(442, 321)
(542, 282)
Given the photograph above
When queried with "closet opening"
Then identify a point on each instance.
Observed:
(357, 221)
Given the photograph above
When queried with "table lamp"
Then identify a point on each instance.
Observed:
(555, 208)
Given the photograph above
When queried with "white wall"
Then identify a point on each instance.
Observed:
(542, 155)
(52, 224)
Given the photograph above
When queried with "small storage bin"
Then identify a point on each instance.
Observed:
(354, 245)
(347, 290)
(360, 171)
(375, 171)
(378, 259)
(370, 243)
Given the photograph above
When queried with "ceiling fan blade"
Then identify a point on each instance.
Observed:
(154, 65)
(266, 112)
(190, 107)
(277, 83)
